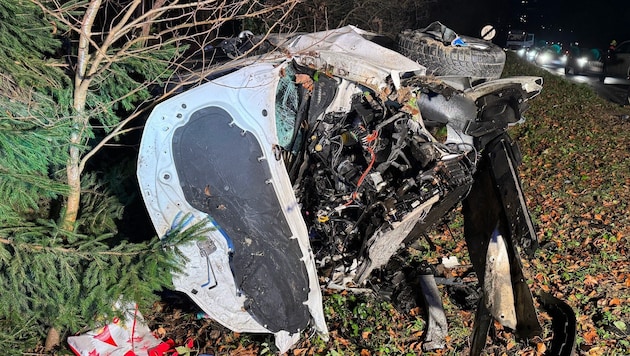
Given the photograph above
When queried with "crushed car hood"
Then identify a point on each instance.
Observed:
(348, 52)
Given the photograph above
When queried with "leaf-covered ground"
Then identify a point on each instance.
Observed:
(576, 175)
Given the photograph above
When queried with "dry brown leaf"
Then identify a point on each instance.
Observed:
(596, 351)
(161, 332)
(615, 301)
(590, 336)
(590, 281)
(242, 351)
(305, 80)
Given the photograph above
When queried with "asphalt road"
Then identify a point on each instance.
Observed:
(611, 89)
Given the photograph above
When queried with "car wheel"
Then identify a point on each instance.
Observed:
(478, 58)
(568, 70)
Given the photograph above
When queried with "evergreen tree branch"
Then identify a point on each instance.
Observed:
(83, 255)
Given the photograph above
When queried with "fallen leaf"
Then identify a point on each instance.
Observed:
(596, 351)
(161, 332)
(590, 281)
(414, 311)
(590, 336)
(305, 80)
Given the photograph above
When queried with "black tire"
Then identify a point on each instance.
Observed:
(567, 70)
(602, 76)
(570, 70)
(479, 59)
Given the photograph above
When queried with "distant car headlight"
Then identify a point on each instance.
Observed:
(544, 58)
(582, 61)
(563, 59)
(521, 52)
(531, 54)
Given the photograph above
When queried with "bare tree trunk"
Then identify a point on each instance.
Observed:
(72, 168)
(81, 86)
(74, 195)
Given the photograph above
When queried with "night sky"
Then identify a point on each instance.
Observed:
(592, 23)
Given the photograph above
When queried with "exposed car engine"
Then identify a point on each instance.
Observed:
(362, 170)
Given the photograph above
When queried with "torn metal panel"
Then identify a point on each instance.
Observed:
(530, 86)
(481, 327)
(345, 52)
(384, 243)
(483, 210)
(497, 286)
(437, 329)
(507, 157)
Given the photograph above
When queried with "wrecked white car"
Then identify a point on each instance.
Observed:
(322, 154)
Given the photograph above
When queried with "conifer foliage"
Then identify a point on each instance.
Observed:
(74, 75)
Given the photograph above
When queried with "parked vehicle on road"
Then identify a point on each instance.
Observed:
(551, 56)
(617, 65)
(517, 39)
(317, 161)
(581, 60)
